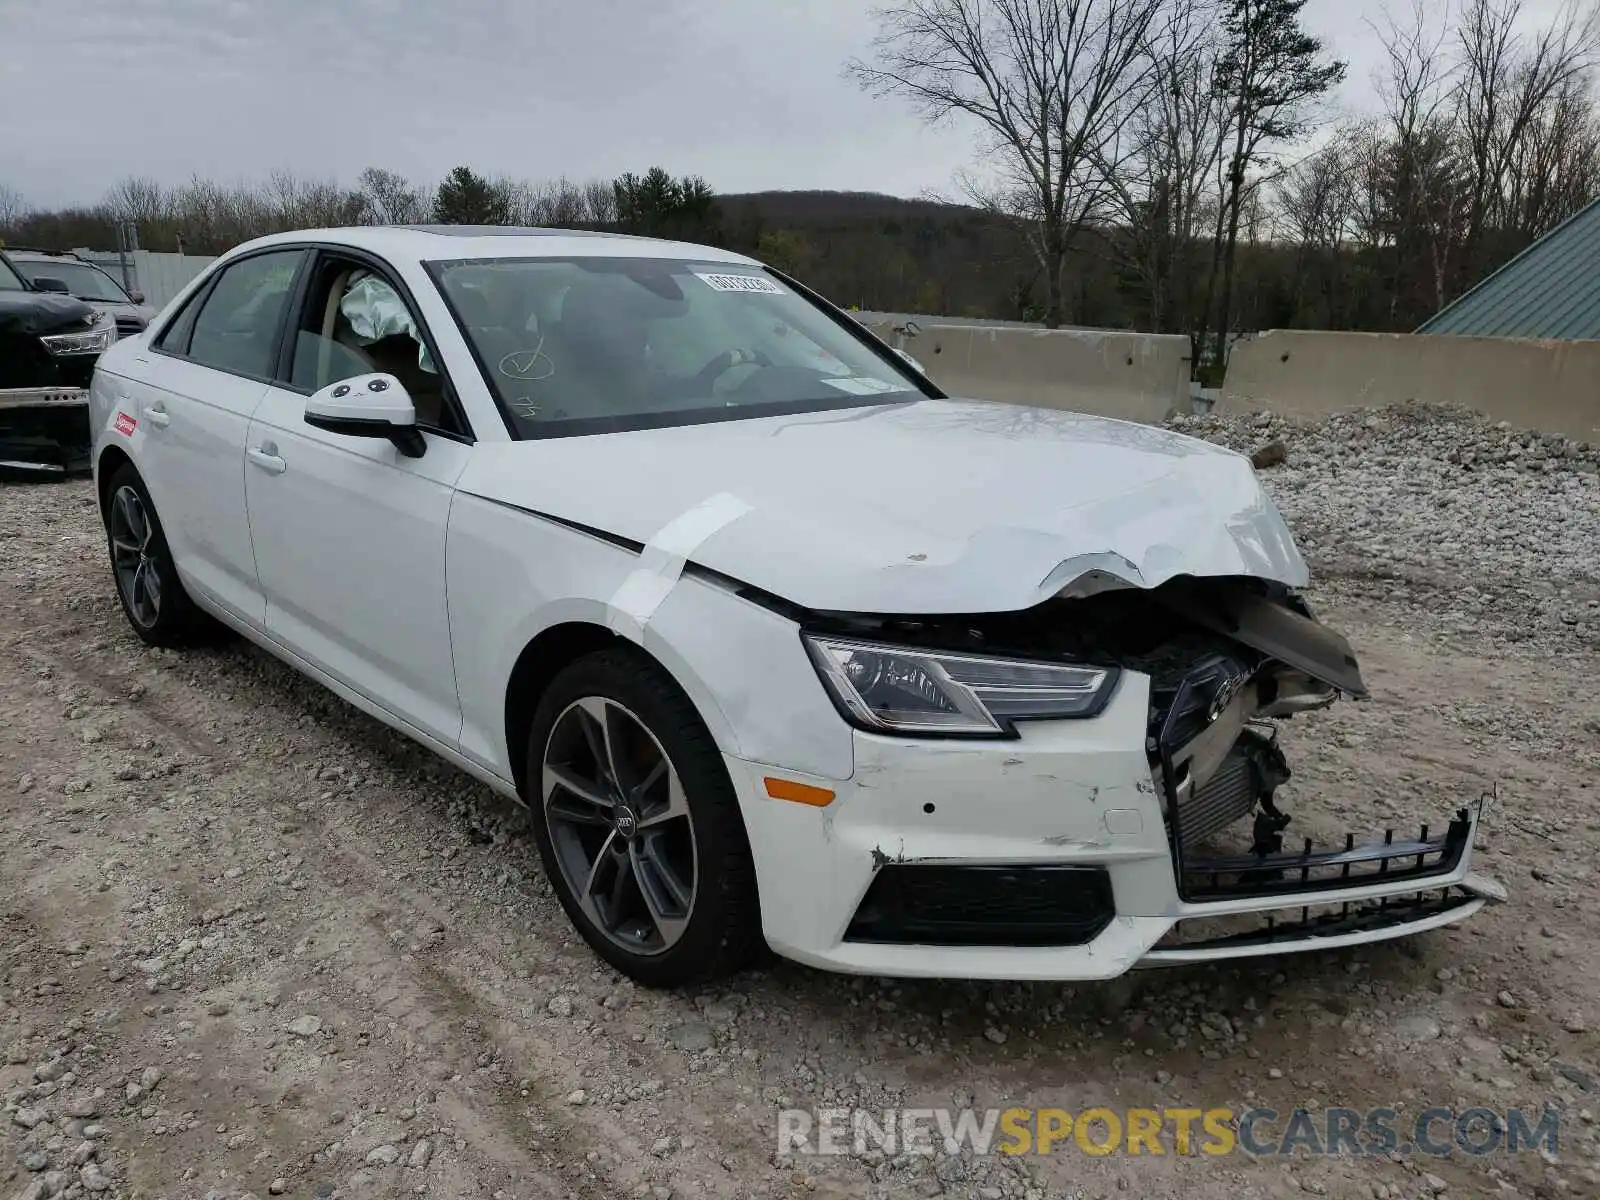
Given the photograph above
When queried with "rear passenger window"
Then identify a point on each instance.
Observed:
(236, 329)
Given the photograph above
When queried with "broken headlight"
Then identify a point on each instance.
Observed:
(890, 689)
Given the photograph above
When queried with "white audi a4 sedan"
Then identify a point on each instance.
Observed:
(778, 643)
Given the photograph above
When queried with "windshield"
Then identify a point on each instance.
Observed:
(10, 281)
(82, 280)
(597, 345)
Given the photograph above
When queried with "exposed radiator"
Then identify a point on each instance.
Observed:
(1228, 796)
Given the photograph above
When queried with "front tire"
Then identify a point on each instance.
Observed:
(638, 824)
(152, 595)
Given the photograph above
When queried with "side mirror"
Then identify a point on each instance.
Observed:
(49, 283)
(136, 297)
(368, 406)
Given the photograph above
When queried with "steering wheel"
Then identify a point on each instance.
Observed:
(725, 362)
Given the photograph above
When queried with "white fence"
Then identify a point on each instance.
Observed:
(160, 276)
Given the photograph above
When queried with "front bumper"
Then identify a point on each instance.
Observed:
(44, 431)
(897, 876)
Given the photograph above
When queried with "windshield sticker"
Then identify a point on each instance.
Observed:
(739, 283)
(862, 385)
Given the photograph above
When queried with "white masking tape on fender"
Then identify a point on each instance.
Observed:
(661, 562)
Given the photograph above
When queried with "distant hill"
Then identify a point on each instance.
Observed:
(888, 253)
(820, 207)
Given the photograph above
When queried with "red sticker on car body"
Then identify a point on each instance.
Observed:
(126, 424)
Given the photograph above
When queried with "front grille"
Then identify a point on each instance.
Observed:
(984, 906)
(128, 326)
(1181, 709)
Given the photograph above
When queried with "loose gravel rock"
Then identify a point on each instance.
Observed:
(1483, 528)
(239, 850)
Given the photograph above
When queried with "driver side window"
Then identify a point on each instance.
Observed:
(356, 322)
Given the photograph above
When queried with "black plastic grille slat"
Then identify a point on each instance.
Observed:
(984, 906)
(1388, 861)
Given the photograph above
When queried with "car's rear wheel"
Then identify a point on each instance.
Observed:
(638, 824)
(152, 595)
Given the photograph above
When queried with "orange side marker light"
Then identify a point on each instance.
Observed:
(800, 793)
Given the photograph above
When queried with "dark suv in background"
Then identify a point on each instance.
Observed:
(66, 272)
(49, 342)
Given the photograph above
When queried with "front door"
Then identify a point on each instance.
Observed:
(349, 533)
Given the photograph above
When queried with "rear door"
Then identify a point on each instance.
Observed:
(349, 533)
(191, 397)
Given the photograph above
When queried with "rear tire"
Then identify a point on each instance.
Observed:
(152, 596)
(638, 824)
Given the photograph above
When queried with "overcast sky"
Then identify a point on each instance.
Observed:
(747, 93)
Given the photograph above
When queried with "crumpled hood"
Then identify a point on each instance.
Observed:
(36, 313)
(939, 506)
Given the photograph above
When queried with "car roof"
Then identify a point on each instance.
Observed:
(19, 252)
(426, 243)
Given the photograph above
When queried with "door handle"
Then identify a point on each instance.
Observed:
(263, 457)
(158, 415)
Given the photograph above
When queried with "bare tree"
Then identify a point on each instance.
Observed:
(140, 200)
(560, 204)
(1050, 83)
(1164, 194)
(600, 202)
(298, 203)
(392, 199)
(1556, 169)
(1271, 69)
(12, 206)
(1417, 162)
(1315, 202)
(1509, 81)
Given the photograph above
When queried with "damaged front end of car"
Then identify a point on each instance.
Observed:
(1228, 659)
(48, 349)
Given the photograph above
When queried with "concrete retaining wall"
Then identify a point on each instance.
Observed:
(1135, 376)
(1553, 387)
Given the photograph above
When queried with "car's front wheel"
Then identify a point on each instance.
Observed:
(638, 824)
(152, 595)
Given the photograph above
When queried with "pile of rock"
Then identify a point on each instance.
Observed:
(1493, 530)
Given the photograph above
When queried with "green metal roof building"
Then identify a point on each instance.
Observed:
(1550, 290)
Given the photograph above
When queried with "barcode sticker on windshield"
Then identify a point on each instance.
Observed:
(740, 283)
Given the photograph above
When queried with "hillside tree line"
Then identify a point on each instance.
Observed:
(1166, 165)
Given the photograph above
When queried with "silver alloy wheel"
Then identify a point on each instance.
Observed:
(138, 575)
(619, 825)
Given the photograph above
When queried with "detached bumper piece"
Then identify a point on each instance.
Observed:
(984, 906)
(44, 432)
(1316, 926)
(1311, 870)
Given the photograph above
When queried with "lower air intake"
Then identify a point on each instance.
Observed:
(984, 906)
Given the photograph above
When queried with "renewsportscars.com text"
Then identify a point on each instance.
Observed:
(1260, 1132)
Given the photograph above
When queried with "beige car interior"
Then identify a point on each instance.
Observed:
(334, 351)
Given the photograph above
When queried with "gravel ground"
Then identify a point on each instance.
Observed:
(252, 943)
